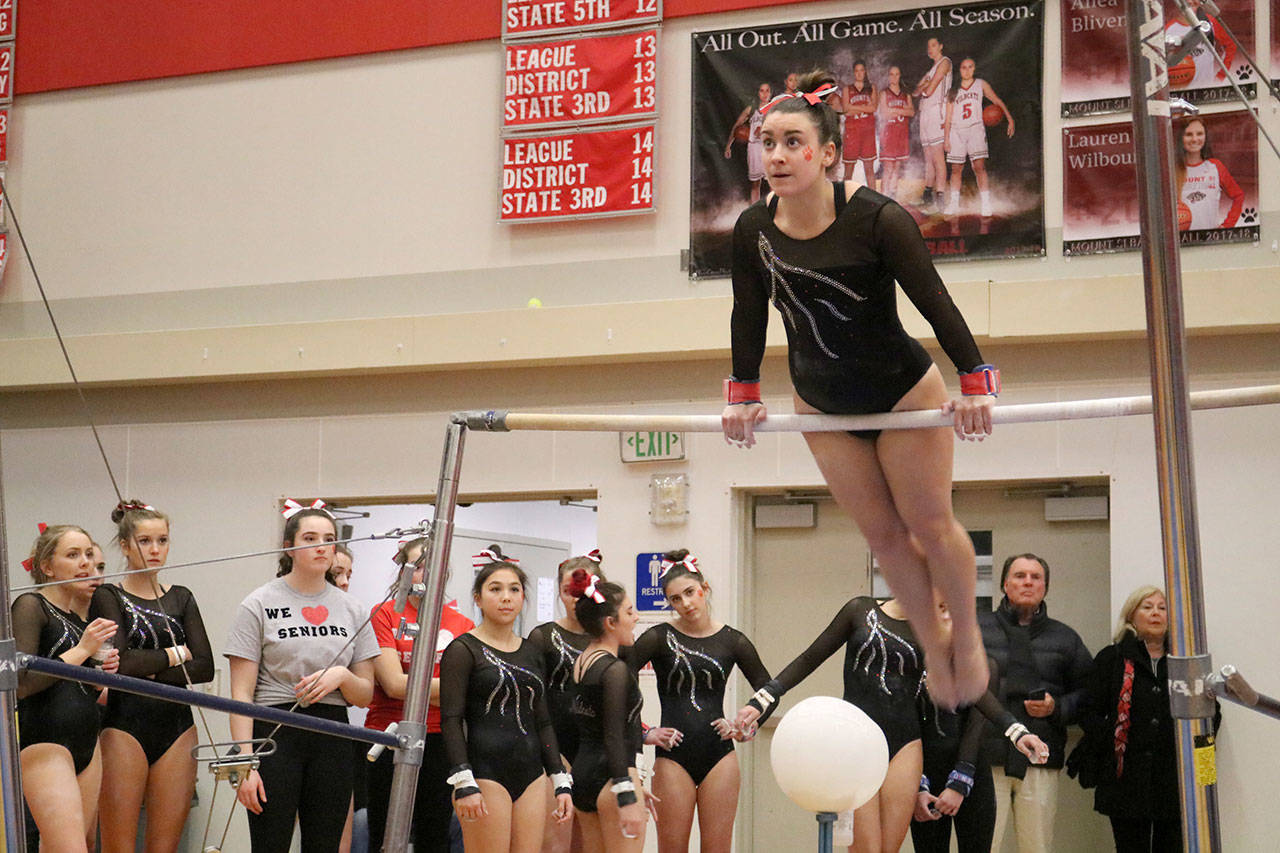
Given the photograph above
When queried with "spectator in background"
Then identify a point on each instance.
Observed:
(1044, 671)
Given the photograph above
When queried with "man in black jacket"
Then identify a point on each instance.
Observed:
(1044, 667)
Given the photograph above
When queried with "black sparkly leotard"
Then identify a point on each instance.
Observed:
(847, 350)
(607, 709)
(560, 648)
(502, 698)
(883, 668)
(146, 627)
(692, 675)
(51, 710)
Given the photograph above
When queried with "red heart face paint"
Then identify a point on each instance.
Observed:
(808, 153)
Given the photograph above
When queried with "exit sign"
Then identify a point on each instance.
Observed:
(651, 446)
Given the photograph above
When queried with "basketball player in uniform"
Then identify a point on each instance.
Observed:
(966, 135)
(895, 135)
(932, 92)
(752, 118)
(1208, 72)
(1202, 179)
(857, 101)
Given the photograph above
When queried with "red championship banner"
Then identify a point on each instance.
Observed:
(584, 175)
(581, 81)
(1095, 66)
(7, 12)
(6, 73)
(533, 18)
(4, 137)
(1215, 172)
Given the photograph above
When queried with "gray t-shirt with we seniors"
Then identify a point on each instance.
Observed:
(292, 635)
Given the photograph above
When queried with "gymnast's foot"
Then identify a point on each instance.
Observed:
(956, 662)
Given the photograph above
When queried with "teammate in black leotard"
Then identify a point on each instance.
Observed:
(693, 658)
(493, 681)
(956, 787)
(884, 676)
(607, 707)
(146, 743)
(560, 643)
(827, 256)
(58, 720)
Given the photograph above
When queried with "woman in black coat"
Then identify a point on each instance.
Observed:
(1130, 734)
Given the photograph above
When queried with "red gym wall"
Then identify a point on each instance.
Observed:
(66, 44)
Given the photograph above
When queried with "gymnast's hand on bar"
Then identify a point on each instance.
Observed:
(971, 416)
(739, 420)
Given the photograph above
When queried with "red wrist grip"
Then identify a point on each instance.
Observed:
(741, 392)
(983, 379)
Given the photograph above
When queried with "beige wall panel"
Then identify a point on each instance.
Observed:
(56, 477)
(387, 455)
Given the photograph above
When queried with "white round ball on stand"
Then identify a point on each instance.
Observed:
(828, 756)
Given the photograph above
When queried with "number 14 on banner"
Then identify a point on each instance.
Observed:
(642, 167)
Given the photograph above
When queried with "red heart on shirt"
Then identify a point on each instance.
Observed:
(315, 615)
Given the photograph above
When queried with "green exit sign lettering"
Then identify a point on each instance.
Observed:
(651, 446)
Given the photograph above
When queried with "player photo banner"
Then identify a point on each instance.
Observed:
(1095, 66)
(1215, 175)
(998, 45)
(1275, 42)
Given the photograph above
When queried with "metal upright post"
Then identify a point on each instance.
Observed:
(412, 731)
(1189, 663)
(10, 776)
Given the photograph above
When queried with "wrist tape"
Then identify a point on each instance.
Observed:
(924, 784)
(960, 780)
(624, 789)
(765, 697)
(1016, 732)
(463, 781)
(562, 782)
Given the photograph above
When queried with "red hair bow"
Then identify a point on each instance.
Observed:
(814, 98)
(292, 507)
(689, 562)
(591, 592)
(485, 557)
(28, 564)
(594, 555)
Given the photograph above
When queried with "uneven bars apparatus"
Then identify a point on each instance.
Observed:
(494, 420)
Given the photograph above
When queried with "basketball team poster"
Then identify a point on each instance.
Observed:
(1215, 170)
(1095, 66)
(897, 73)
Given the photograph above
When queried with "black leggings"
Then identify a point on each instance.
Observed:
(309, 777)
(975, 823)
(432, 807)
(1139, 835)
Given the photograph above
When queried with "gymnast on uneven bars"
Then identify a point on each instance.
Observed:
(827, 255)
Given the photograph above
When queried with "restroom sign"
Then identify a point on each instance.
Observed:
(651, 446)
(649, 597)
